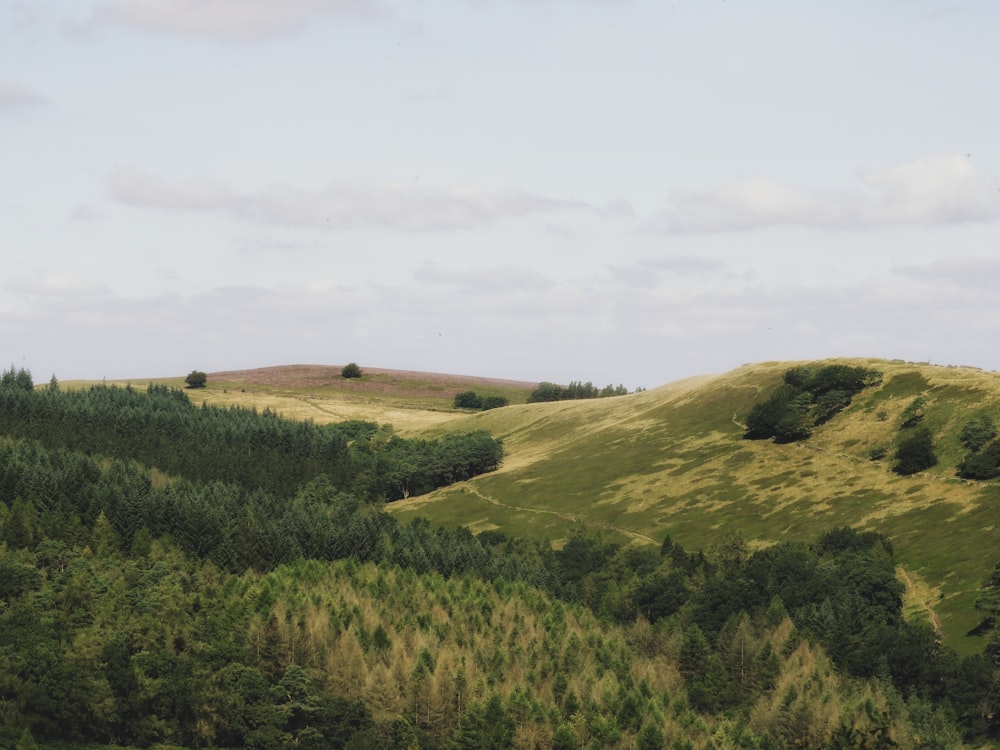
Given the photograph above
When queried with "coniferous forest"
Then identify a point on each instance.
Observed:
(174, 575)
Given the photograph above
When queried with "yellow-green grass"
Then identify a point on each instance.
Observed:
(673, 461)
(411, 402)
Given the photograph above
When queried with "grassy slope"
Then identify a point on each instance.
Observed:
(672, 461)
(411, 402)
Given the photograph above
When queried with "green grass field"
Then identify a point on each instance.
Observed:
(672, 461)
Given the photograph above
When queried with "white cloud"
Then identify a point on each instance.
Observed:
(964, 272)
(140, 189)
(13, 97)
(649, 272)
(604, 333)
(84, 212)
(498, 278)
(934, 190)
(227, 19)
(343, 205)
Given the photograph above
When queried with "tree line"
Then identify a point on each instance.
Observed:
(574, 391)
(160, 427)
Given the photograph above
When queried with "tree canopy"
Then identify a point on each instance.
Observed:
(196, 379)
(807, 397)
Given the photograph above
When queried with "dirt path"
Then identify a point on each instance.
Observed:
(564, 516)
(921, 596)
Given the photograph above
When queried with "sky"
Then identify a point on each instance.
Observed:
(615, 191)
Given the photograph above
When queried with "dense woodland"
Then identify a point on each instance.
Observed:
(203, 577)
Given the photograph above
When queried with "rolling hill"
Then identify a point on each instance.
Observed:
(224, 577)
(673, 461)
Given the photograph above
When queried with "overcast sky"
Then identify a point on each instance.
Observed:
(619, 191)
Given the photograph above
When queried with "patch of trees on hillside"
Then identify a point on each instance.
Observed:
(574, 391)
(160, 427)
(807, 397)
(473, 400)
(982, 461)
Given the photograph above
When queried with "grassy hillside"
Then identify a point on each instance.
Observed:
(672, 460)
(410, 401)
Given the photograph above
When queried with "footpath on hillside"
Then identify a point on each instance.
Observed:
(564, 516)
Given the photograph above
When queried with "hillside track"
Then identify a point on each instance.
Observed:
(564, 516)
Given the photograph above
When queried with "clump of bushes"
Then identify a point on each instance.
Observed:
(913, 414)
(915, 453)
(983, 458)
(472, 400)
(807, 397)
(351, 370)
(196, 379)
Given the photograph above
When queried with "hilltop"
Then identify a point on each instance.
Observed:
(408, 400)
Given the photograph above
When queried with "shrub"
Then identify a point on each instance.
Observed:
(913, 413)
(472, 400)
(878, 452)
(915, 453)
(983, 465)
(351, 370)
(196, 379)
(977, 432)
(494, 402)
(782, 415)
(468, 400)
